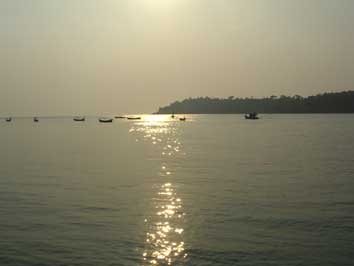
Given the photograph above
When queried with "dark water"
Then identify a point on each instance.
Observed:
(214, 190)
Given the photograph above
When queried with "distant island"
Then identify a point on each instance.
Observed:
(336, 102)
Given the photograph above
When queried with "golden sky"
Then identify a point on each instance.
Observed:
(119, 56)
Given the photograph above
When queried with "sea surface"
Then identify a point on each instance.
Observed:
(214, 190)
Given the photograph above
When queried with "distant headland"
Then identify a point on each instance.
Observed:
(334, 102)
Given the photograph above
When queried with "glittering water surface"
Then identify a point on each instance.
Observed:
(213, 190)
(164, 233)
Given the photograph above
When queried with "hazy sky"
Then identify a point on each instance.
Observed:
(117, 56)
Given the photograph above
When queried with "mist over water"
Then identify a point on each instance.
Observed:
(214, 190)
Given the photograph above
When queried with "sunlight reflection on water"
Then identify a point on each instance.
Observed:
(164, 243)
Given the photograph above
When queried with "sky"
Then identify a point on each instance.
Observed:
(69, 57)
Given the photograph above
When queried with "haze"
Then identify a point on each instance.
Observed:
(64, 57)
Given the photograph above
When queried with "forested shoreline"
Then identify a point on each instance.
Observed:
(334, 102)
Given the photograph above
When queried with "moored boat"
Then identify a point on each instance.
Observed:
(134, 118)
(105, 120)
(119, 117)
(8, 119)
(79, 119)
(251, 116)
(35, 119)
(182, 118)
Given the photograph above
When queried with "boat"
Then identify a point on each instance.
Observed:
(79, 119)
(119, 117)
(134, 118)
(35, 119)
(8, 119)
(251, 116)
(182, 119)
(173, 115)
(105, 120)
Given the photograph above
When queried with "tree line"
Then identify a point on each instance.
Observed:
(335, 102)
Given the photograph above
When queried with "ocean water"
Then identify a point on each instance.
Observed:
(214, 190)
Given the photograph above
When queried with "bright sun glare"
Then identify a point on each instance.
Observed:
(161, 4)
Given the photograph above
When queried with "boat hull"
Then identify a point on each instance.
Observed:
(105, 120)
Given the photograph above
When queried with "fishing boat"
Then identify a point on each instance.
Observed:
(79, 119)
(119, 117)
(182, 119)
(173, 115)
(8, 119)
(35, 119)
(251, 116)
(134, 118)
(105, 120)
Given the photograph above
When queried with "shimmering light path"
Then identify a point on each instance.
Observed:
(214, 190)
(164, 228)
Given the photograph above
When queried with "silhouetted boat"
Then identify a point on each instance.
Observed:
(251, 116)
(79, 119)
(173, 115)
(9, 119)
(134, 118)
(119, 117)
(35, 119)
(105, 120)
(182, 119)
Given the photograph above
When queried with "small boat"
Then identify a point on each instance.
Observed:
(173, 115)
(251, 116)
(9, 119)
(134, 118)
(119, 117)
(79, 119)
(105, 120)
(35, 119)
(182, 119)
